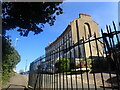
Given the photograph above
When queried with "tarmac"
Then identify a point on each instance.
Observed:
(17, 82)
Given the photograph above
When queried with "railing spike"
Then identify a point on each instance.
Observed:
(110, 29)
(114, 26)
(101, 31)
(107, 28)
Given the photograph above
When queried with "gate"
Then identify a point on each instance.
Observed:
(68, 72)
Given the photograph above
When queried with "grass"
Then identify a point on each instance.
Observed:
(6, 77)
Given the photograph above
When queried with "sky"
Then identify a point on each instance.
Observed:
(33, 46)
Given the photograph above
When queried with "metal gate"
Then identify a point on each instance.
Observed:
(96, 72)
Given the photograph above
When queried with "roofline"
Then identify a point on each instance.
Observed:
(59, 36)
(85, 14)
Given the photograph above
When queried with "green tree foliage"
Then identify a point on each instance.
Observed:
(10, 58)
(63, 64)
(28, 15)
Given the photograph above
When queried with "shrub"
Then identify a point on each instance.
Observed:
(63, 65)
(97, 64)
(10, 58)
(100, 65)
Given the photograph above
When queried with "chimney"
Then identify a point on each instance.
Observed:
(82, 15)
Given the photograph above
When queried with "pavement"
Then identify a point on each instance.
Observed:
(17, 82)
(50, 81)
(69, 81)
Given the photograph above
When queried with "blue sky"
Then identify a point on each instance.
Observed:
(33, 46)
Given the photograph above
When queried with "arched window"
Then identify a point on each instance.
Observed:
(87, 30)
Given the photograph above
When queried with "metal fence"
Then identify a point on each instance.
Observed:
(81, 73)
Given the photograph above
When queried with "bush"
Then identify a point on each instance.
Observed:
(100, 65)
(10, 58)
(97, 64)
(63, 65)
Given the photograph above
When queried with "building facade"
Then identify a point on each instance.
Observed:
(66, 45)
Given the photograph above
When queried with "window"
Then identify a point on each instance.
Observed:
(76, 52)
(62, 41)
(65, 38)
(82, 50)
(70, 33)
(65, 55)
(72, 53)
(68, 54)
(70, 42)
(67, 44)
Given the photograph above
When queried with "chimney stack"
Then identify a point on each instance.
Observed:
(82, 15)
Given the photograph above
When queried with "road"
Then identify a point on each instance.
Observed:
(17, 82)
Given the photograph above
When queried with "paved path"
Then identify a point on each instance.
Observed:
(17, 81)
(49, 82)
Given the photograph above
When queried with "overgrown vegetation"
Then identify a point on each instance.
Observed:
(10, 58)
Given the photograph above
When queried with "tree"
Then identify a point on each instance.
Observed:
(29, 16)
(10, 58)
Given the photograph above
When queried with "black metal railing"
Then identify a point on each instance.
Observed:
(69, 67)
